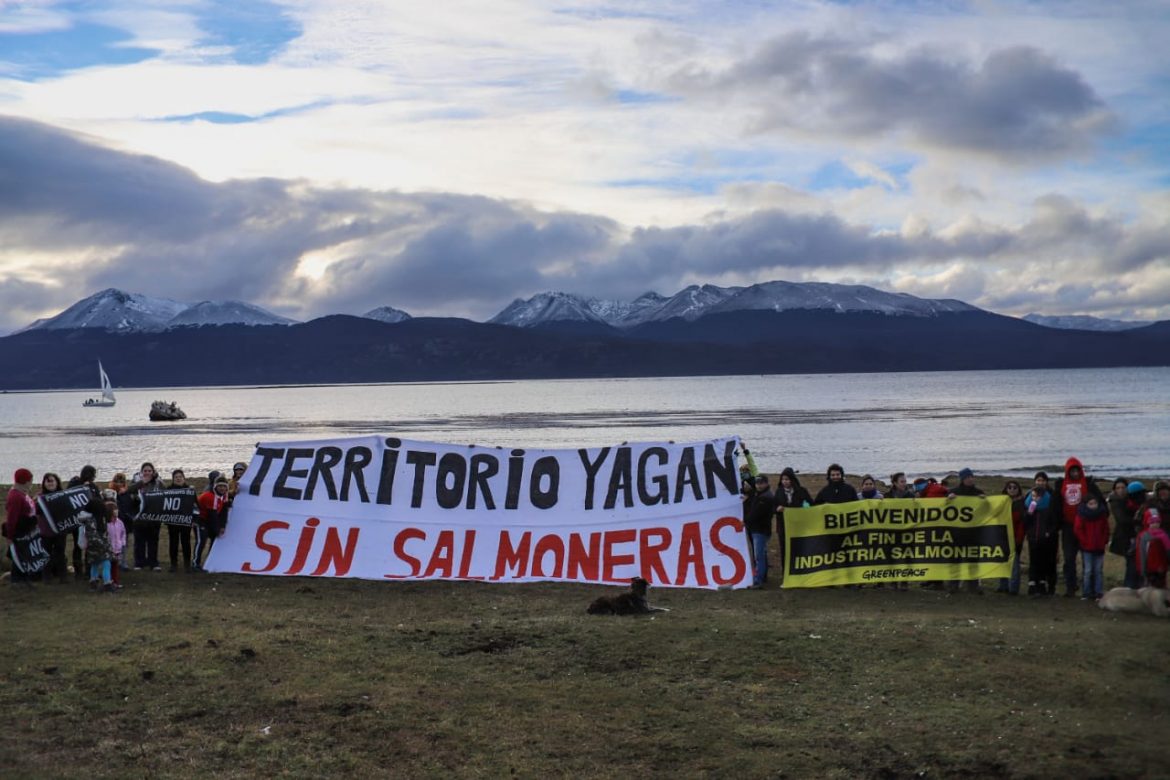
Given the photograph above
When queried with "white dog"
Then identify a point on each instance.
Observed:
(1154, 601)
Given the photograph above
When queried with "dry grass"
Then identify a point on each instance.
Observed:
(233, 676)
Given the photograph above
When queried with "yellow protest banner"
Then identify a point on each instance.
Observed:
(898, 540)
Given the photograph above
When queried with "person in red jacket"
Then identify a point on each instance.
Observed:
(1152, 550)
(213, 512)
(1092, 530)
(1152, 547)
(1070, 492)
(20, 517)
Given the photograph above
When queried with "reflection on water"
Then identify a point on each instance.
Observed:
(997, 421)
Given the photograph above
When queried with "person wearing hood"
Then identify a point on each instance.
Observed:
(213, 511)
(837, 490)
(758, 513)
(237, 475)
(1092, 530)
(1070, 492)
(1124, 502)
(1153, 545)
(790, 494)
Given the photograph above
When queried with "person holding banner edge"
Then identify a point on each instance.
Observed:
(145, 534)
(758, 518)
(57, 568)
(213, 510)
(179, 534)
(20, 517)
(86, 476)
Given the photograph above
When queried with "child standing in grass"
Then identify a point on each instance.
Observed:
(1092, 530)
(96, 543)
(117, 532)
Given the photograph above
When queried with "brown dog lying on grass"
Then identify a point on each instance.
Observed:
(1155, 601)
(632, 603)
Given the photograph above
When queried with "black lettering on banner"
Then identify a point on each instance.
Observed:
(591, 469)
(28, 552)
(267, 455)
(323, 462)
(173, 506)
(63, 508)
(886, 515)
(483, 468)
(662, 495)
(515, 479)
(688, 474)
(981, 544)
(453, 468)
(420, 460)
(723, 470)
(620, 480)
(545, 497)
(279, 490)
(356, 460)
(389, 465)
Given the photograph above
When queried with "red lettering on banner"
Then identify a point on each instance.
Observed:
(334, 556)
(584, 564)
(550, 543)
(735, 555)
(516, 558)
(468, 549)
(404, 536)
(650, 554)
(690, 555)
(443, 558)
(303, 545)
(272, 550)
(613, 560)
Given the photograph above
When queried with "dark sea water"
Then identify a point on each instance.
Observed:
(1115, 420)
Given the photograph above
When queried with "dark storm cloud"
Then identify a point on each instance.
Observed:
(1017, 104)
(163, 231)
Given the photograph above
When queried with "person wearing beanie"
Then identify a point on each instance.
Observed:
(1125, 500)
(237, 474)
(214, 504)
(1153, 549)
(20, 515)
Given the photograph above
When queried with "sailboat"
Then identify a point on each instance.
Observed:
(107, 398)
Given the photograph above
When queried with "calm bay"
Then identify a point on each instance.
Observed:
(1116, 420)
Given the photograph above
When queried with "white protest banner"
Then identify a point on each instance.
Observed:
(393, 509)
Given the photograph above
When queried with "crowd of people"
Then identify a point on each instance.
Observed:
(1056, 521)
(112, 536)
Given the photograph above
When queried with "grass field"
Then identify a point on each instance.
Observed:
(234, 676)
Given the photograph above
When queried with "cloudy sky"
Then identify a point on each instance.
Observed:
(445, 158)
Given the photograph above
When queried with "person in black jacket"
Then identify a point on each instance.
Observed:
(87, 476)
(1040, 528)
(789, 494)
(966, 487)
(758, 519)
(838, 491)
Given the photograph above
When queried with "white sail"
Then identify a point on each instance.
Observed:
(107, 388)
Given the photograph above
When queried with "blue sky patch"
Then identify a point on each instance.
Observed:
(39, 55)
(254, 31)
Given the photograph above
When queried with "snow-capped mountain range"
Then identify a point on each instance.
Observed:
(1084, 322)
(697, 301)
(119, 311)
